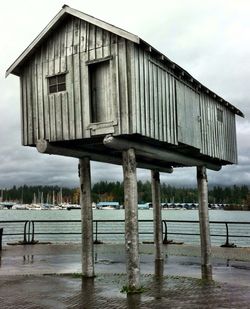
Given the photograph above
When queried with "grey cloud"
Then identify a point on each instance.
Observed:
(210, 39)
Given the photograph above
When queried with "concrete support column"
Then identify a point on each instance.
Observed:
(206, 266)
(87, 218)
(156, 199)
(131, 218)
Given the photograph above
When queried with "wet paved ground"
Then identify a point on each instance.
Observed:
(23, 283)
(104, 292)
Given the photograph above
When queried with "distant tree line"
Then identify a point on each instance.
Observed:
(113, 191)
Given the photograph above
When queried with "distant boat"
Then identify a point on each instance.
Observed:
(55, 207)
(143, 206)
(19, 207)
(7, 205)
(64, 205)
(73, 207)
(34, 207)
(108, 205)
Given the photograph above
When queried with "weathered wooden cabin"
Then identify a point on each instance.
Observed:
(96, 92)
(83, 78)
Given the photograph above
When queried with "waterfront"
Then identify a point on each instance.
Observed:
(69, 232)
(229, 289)
(168, 214)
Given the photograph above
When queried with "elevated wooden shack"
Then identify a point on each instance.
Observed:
(91, 90)
(83, 78)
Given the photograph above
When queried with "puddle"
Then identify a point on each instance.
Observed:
(113, 293)
(244, 267)
(104, 261)
(28, 259)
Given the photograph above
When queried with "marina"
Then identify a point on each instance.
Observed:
(105, 206)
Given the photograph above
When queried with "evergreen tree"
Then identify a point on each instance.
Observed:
(113, 191)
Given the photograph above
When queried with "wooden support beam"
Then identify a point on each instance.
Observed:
(156, 153)
(87, 218)
(131, 219)
(156, 199)
(206, 266)
(44, 146)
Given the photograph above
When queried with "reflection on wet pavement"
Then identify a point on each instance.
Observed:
(103, 292)
(133, 301)
(28, 259)
(165, 283)
(51, 259)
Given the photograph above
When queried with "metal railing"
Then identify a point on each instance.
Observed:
(239, 231)
(30, 232)
(1, 234)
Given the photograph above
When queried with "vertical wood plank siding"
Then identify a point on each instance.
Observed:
(168, 110)
(146, 97)
(218, 138)
(154, 99)
(66, 115)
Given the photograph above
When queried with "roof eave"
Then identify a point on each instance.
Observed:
(102, 24)
(13, 69)
(190, 78)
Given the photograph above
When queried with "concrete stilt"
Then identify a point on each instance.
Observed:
(156, 199)
(131, 218)
(87, 218)
(206, 266)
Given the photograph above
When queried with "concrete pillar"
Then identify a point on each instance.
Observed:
(156, 199)
(206, 266)
(131, 218)
(87, 218)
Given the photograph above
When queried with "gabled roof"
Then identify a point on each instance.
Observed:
(66, 10)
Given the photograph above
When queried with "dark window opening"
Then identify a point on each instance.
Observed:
(100, 92)
(57, 83)
(219, 115)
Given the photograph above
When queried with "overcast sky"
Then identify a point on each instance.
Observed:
(210, 39)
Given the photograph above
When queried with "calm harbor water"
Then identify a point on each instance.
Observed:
(170, 214)
(118, 228)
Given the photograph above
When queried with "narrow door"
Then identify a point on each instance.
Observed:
(188, 114)
(101, 103)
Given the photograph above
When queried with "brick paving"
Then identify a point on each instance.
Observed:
(24, 283)
(53, 291)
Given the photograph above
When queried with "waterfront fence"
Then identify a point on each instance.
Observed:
(227, 233)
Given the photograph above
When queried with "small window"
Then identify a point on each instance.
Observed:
(57, 83)
(219, 115)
